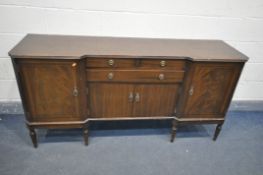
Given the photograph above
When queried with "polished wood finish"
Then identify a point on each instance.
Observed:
(77, 47)
(69, 81)
(109, 63)
(155, 100)
(110, 100)
(206, 86)
(50, 91)
(176, 65)
(143, 76)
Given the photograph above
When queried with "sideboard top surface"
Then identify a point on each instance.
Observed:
(76, 47)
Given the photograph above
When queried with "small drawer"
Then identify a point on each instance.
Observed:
(165, 63)
(109, 63)
(154, 76)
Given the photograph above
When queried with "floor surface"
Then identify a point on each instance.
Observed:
(135, 148)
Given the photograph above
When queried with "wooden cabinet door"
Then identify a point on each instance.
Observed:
(209, 89)
(109, 100)
(52, 90)
(155, 100)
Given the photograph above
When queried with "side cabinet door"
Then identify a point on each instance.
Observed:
(209, 89)
(155, 100)
(109, 100)
(52, 90)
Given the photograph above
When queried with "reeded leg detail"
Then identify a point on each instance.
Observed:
(86, 134)
(217, 131)
(33, 136)
(173, 132)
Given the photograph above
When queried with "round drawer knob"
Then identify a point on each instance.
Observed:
(163, 63)
(74, 64)
(161, 76)
(110, 62)
(110, 76)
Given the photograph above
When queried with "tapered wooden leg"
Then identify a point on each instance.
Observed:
(173, 132)
(217, 131)
(33, 136)
(86, 134)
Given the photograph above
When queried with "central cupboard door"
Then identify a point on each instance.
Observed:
(108, 100)
(154, 100)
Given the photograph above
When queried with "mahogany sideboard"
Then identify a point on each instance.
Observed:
(69, 81)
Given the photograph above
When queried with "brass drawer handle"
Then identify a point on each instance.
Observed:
(191, 91)
(110, 76)
(110, 62)
(131, 97)
(161, 76)
(75, 92)
(74, 64)
(137, 97)
(162, 63)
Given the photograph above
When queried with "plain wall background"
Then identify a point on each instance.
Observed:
(238, 22)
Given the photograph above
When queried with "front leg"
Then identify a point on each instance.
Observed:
(217, 131)
(174, 128)
(86, 134)
(33, 135)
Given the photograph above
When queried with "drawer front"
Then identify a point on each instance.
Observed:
(154, 76)
(158, 63)
(109, 63)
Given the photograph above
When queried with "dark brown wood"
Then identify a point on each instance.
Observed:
(47, 89)
(86, 134)
(59, 124)
(132, 118)
(174, 129)
(110, 100)
(68, 81)
(50, 87)
(217, 131)
(208, 89)
(77, 47)
(33, 136)
(109, 63)
(155, 100)
(206, 120)
(178, 65)
(21, 89)
(135, 75)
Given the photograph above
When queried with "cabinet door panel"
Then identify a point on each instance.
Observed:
(49, 90)
(155, 100)
(211, 89)
(108, 100)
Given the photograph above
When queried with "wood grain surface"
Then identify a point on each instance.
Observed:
(67, 81)
(76, 47)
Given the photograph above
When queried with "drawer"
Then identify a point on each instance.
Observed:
(159, 63)
(109, 63)
(154, 76)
